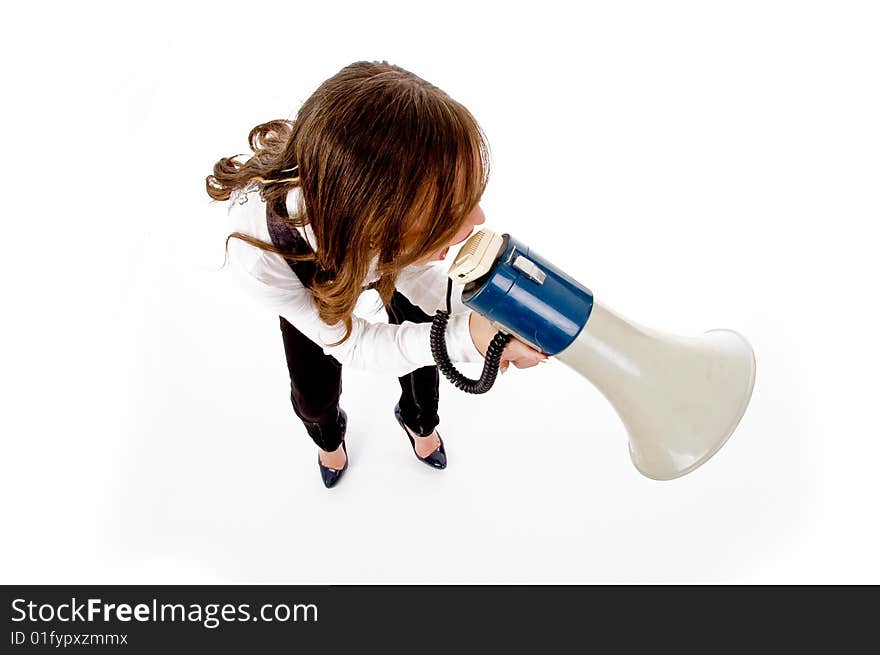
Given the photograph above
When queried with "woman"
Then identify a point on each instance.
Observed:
(379, 174)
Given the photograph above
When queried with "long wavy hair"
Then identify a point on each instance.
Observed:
(388, 166)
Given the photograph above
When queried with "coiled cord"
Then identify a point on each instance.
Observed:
(441, 354)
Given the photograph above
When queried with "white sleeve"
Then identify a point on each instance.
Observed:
(425, 286)
(378, 347)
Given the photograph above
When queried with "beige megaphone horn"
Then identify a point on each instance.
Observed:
(680, 398)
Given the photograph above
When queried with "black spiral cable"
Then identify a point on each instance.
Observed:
(441, 355)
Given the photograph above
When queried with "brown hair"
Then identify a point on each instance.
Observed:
(387, 165)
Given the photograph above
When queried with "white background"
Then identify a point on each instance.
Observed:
(697, 165)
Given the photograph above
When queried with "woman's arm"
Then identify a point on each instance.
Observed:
(379, 347)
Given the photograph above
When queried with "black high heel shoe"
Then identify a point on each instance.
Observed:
(331, 476)
(328, 475)
(437, 459)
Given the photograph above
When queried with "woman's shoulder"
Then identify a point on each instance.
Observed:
(247, 211)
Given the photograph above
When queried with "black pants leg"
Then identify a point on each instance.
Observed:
(420, 390)
(315, 387)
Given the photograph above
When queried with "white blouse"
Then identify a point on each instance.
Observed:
(378, 347)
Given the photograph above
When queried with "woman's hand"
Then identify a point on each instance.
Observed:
(515, 352)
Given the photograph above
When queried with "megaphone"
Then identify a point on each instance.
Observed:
(679, 398)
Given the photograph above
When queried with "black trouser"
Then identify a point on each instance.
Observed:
(316, 382)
